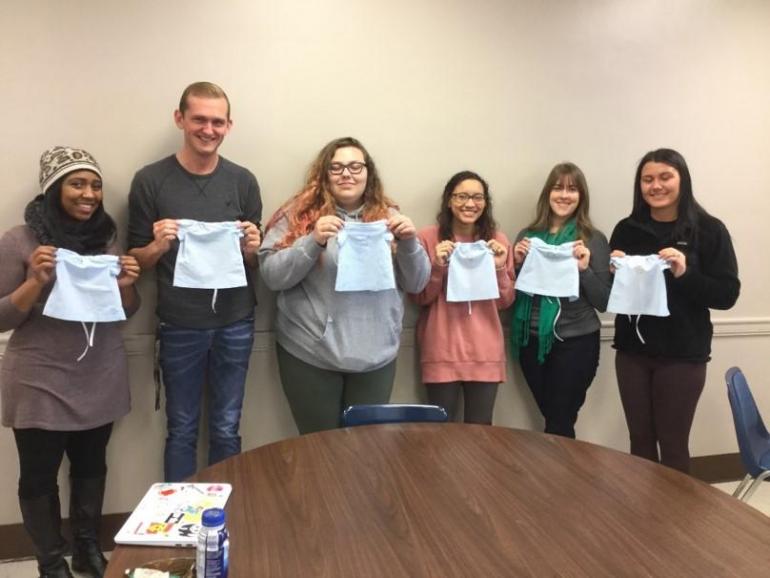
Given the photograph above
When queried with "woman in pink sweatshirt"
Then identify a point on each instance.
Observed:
(461, 342)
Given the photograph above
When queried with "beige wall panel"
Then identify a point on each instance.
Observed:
(505, 87)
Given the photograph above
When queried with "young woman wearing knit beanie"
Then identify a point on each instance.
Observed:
(57, 396)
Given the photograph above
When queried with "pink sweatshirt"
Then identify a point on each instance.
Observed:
(458, 343)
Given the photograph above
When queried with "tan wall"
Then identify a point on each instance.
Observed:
(505, 87)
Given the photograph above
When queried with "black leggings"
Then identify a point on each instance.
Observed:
(41, 452)
(478, 399)
(560, 384)
(659, 398)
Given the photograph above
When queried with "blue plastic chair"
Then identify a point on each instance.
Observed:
(392, 413)
(753, 439)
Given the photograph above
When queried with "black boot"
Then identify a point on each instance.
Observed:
(42, 520)
(85, 516)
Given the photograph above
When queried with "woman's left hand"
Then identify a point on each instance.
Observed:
(129, 271)
(676, 259)
(402, 227)
(500, 252)
(582, 254)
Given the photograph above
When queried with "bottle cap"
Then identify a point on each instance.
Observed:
(213, 517)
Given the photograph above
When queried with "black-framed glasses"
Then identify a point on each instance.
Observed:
(463, 198)
(354, 168)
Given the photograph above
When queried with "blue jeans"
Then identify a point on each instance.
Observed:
(188, 358)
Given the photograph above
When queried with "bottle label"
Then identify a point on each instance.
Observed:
(213, 554)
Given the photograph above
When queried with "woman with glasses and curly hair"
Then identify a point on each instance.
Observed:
(556, 339)
(336, 348)
(461, 343)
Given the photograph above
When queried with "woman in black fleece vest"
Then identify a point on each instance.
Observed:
(661, 378)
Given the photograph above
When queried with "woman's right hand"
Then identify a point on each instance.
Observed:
(520, 251)
(327, 227)
(129, 271)
(443, 251)
(42, 262)
(615, 253)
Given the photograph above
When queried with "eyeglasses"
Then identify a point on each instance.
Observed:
(462, 198)
(354, 168)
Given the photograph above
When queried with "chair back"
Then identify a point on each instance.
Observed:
(392, 413)
(749, 427)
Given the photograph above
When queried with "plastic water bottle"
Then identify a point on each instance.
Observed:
(213, 553)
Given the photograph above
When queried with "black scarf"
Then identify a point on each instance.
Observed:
(52, 226)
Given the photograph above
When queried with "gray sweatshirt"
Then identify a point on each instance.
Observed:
(340, 331)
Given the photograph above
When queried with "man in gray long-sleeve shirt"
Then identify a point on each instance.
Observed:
(197, 340)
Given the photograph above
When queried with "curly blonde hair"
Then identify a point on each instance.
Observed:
(315, 199)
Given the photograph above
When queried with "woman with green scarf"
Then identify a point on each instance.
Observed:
(557, 340)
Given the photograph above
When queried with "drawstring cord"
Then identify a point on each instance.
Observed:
(157, 374)
(89, 338)
(556, 319)
(214, 301)
(636, 326)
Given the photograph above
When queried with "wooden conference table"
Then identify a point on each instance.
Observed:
(461, 500)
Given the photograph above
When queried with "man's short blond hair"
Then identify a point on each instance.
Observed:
(203, 90)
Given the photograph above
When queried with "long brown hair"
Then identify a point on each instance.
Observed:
(485, 226)
(543, 216)
(315, 199)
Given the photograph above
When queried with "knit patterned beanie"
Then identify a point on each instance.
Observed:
(59, 161)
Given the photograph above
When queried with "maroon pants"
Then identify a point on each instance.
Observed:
(659, 398)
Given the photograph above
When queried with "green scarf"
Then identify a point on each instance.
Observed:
(549, 306)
